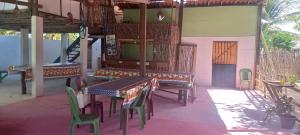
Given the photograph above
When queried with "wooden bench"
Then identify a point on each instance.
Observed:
(51, 71)
(168, 81)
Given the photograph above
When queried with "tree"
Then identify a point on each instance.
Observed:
(7, 32)
(278, 12)
(280, 39)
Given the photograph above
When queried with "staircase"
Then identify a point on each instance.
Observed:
(73, 51)
(3, 74)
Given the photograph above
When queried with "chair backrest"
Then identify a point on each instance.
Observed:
(141, 99)
(269, 89)
(275, 90)
(75, 110)
(80, 83)
(245, 74)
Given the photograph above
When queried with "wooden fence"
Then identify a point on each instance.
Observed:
(275, 63)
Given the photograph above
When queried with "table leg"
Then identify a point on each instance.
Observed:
(93, 103)
(125, 120)
(68, 82)
(23, 83)
(93, 107)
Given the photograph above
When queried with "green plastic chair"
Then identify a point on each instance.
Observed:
(139, 106)
(113, 104)
(77, 117)
(245, 76)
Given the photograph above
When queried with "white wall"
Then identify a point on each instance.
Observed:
(246, 56)
(96, 52)
(10, 51)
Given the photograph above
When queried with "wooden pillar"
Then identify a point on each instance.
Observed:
(64, 46)
(180, 21)
(142, 34)
(84, 55)
(37, 56)
(258, 41)
(24, 47)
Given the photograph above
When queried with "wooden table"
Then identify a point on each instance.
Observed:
(127, 88)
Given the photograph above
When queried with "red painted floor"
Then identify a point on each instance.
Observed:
(215, 112)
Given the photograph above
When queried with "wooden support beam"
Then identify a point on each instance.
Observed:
(258, 41)
(142, 33)
(133, 1)
(35, 10)
(180, 20)
(22, 3)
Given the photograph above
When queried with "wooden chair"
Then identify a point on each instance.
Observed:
(273, 91)
(81, 83)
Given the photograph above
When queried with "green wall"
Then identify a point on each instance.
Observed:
(132, 52)
(134, 14)
(219, 21)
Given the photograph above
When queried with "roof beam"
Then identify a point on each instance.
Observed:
(20, 3)
(133, 1)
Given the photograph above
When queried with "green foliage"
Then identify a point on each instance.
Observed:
(52, 36)
(296, 19)
(284, 106)
(57, 36)
(280, 39)
(275, 13)
(7, 32)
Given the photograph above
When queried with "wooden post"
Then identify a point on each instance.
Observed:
(180, 20)
(142, 34)
(257, 40)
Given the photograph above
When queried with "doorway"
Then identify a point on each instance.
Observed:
(224, 63)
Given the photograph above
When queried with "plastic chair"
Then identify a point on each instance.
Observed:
(80, 83)
(245, 76)
(77, 117)
(139, 106)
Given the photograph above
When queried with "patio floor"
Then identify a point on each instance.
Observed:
(215, 112)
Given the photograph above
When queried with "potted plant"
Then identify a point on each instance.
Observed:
(284, 108)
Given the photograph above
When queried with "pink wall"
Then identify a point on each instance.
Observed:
(246, 56)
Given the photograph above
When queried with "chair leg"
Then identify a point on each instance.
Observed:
(148, 109)
(96, 127)
(141, 118)
(240, 84)
(71, 132)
